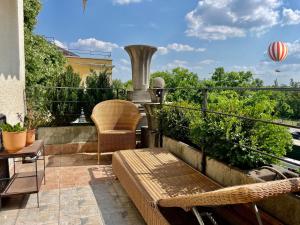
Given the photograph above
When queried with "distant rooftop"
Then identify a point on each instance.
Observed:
(85, 53)
(67, 52)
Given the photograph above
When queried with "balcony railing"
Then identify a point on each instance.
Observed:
(203, 93)
(74, 105)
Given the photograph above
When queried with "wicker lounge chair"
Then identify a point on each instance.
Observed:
(156, 180)
(116, 122)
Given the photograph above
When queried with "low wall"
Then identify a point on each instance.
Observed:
(67, 140)
(285, 208)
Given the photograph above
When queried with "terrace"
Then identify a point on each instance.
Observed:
(228, 135)
(78, 190)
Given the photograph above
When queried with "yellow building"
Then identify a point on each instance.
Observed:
(84, 65)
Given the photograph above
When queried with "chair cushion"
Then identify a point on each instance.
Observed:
(117, 132)
(114, 140)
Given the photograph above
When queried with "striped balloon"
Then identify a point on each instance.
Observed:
(278, 51)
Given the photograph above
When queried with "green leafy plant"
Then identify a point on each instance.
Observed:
(65, 99)
(98, 89)
(119, 89)
(175, 122)
(230, 139)
(12, 128)
(34, 117)
(43, 61)
(186, 81)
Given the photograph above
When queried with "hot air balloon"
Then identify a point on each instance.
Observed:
(278, 51)
(84, 4)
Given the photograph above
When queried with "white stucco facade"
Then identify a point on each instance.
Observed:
(12, 60)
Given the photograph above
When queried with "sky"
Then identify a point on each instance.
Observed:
(196, 34)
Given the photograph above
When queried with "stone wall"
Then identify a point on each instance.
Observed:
(285, 208)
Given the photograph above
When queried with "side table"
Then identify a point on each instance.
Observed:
(26, 182)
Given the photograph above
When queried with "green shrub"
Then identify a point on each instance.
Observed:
(175, 121)
(64, 104)
(229, 138)
(186, 81)
(98, 89)
(43, 61)
(119, 88)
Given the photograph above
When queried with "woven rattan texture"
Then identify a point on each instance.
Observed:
(169, 182)
(116, 122)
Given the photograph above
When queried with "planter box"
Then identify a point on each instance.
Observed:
(190, 155)
(69, 140)
(285, 208)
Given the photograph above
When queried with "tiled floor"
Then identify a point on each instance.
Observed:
(77, 191)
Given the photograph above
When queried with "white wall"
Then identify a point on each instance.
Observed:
(12, 62)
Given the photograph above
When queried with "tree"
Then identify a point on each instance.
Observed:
(65, 99)
(288, 103)
(117, 84)
(119, 89)
(31, 11)
(98, 89)
(234, 79)
(43, 61)
(182, 84)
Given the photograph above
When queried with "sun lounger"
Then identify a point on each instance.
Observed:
(155, 180)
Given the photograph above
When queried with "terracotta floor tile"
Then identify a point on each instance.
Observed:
(77, 191)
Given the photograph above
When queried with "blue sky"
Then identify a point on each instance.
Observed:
(197, 34)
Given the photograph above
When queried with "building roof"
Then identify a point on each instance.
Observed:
(67, 52)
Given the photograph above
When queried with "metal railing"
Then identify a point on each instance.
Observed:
(71, 103)
(204, 110)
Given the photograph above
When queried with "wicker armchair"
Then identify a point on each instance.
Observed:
(116, 122)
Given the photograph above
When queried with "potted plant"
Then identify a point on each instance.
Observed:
(30, 135)
(14, 137)
(32, 120)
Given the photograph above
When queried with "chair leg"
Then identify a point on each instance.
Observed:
(98, 149)
(210, 217)
(257, 214)
(198, 216)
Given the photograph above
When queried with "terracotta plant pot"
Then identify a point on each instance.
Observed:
(30, 137)
(14, 141)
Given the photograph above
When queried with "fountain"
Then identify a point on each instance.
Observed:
(140, 56)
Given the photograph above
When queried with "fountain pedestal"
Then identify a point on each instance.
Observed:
(140, 56)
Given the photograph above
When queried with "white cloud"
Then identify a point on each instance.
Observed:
(290, 17)
(207, 62)
(265, 70)
(125, 2)
(184, 48)
(222, 19)
(93, 44)
(125, 61)
(176, 63)
(162, 50)
(60, 44)
(294, 48)
(178, 48)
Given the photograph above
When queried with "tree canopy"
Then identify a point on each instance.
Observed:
(43, 61)
(234, 79)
